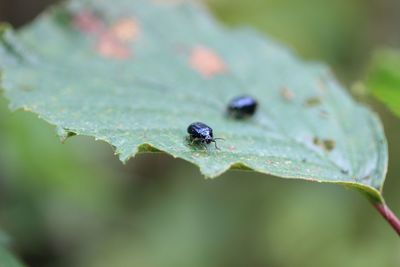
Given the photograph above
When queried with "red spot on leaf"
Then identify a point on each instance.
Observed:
(109, 46)
(126, 30)
(206, 62)
(87, 22)
(112, 41)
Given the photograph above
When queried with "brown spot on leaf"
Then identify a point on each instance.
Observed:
(126, 30)
(287, 94)
(87, 22)
(206, 62)
(317, 141)
(329, 145)
(313, 101)
(326, 144)
(109, 46)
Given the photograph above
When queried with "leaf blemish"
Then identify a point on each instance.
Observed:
(344, 171)
(206, 62)
(87, 22)
(113, 43)
(317, 141)
(326, 144)
(109, 46)
(329, 145)
(313, 101)
(111, 40)
(287, 94)
(126, 29)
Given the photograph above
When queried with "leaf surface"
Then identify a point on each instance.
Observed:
(384, 78)
(136, 73)
(7, 259)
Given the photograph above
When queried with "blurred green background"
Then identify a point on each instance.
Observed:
(75, 204)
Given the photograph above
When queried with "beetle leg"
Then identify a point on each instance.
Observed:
(194, 140)
(198, 141)
(205, 146)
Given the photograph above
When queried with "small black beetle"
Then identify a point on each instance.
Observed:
(202, 134)
(242, 107)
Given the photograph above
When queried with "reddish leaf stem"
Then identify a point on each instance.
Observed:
(389, 216)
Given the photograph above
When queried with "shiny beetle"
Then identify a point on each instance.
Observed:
(242, 107)
(201, 134)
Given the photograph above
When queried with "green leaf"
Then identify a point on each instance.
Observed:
(7, 259)
(384, 78)
(136, 73)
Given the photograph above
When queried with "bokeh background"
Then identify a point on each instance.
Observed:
(75, 204)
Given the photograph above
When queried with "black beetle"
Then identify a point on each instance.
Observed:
(242, 107)
(201, 133)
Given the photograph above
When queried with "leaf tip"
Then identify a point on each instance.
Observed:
(64, 134)
(214, 173)
(125, 154)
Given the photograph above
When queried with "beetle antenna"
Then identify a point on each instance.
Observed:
(215, 144)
